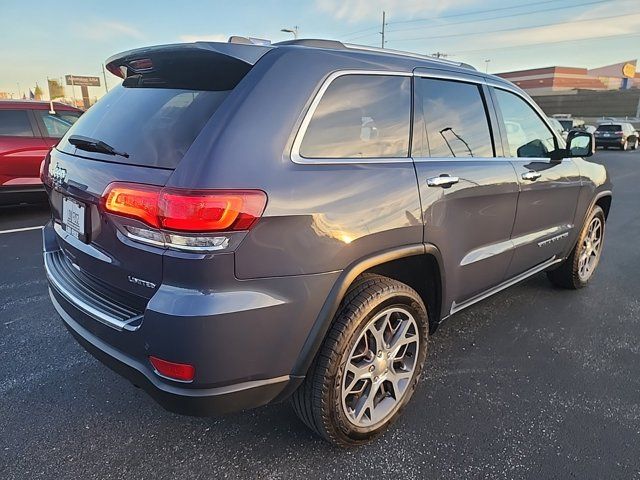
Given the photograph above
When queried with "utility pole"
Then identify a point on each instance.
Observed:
(440, 55)
(104, 75)
(383, 24)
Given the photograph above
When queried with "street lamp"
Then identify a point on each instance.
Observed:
(486, 62)
(293, 30)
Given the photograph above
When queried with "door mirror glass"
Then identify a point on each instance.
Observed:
(580, 144)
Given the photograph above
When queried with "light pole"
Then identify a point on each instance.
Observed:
(486, 68)
(293, 30)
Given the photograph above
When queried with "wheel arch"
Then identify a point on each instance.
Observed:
(403, 264)
(603, 200)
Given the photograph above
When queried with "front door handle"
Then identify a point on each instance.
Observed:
(444, 181)
(531, 175)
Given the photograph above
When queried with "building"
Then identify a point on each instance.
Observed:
(557, 80)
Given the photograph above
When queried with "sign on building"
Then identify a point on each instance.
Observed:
(82, 81)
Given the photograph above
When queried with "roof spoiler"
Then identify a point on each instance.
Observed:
(140, 60)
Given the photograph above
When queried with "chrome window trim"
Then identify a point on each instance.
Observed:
(470, 77)
(295, 149)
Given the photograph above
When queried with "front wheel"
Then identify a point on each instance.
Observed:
(576, 271)
(369, 364)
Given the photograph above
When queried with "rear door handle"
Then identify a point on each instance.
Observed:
(531, 175)
(444, 181)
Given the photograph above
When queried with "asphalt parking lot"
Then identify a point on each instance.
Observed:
(535, 382)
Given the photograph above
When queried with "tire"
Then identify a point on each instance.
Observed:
(635, 145)
(625, 146)
(331, 398)
(572, 273)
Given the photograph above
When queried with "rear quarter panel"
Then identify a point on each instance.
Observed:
(319, 218)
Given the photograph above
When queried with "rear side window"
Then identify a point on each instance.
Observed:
(155, 126)
(527, 134)
(451, 120)
(15, 123)
(361, 116)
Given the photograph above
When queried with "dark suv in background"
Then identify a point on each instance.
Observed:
(619, 135)
(241, 224)
(28, 130)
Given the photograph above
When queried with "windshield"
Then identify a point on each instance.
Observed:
(155, 126)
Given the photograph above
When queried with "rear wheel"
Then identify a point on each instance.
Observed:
(368, 365)
(579, 267)
(625, 146)
(635, 145)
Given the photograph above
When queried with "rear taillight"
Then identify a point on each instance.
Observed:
(184, 219)
(135, 201)
(44, 170)
(182, 372)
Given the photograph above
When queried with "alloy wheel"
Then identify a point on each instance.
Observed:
(591, 249)
(380, 368)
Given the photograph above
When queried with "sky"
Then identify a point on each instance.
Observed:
(51, 38)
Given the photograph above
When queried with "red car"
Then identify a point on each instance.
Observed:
(28, 130)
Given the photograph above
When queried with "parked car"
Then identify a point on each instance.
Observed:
(569, 124)
(28, 130)
(240, 224)
(621, 135)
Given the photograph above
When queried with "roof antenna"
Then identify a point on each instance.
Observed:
(51, 109)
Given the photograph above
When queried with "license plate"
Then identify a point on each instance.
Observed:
(73, 217)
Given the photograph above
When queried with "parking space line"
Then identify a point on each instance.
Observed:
(25, 229)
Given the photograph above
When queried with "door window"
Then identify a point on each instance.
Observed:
(15, 123)
(361, 116)
(527, 134)
(450, 120)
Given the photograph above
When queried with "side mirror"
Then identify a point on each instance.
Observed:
(580, 143)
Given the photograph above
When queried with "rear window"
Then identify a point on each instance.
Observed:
(15, 123)
(609, 128)
(57, 124)
(155, 126)
(566, 124)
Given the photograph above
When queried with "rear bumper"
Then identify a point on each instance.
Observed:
(185, 401)
(609, 142)
(243, 338)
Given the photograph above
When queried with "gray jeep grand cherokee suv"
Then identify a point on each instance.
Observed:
(241, 224)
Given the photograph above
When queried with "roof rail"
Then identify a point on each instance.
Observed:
(406, 54)
(314, 42)
(335, 44)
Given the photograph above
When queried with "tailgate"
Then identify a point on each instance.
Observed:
(98, 248)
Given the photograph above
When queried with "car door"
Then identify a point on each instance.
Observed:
(468, 194)
(549, 188)
(22, 149)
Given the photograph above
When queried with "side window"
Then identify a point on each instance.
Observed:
(450, 120)
(15, 123)
(56, 125)
(527, 134)
(361, 116)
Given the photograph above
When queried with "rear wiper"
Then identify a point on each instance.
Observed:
(93, 145)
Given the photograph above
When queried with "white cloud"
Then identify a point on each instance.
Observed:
(107, 30)
(577, 30)
(358, 10)
(215, 37)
